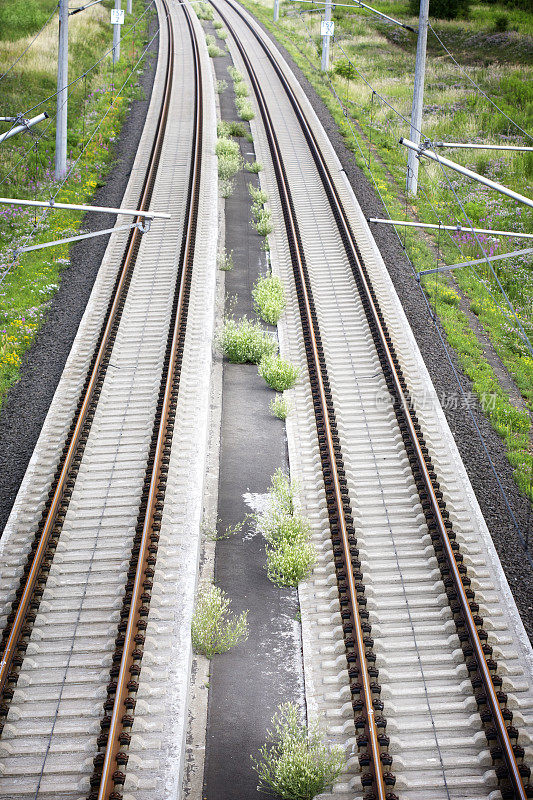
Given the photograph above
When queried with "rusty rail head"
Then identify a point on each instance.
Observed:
(352, 252)
(106, 788)
(96, 373)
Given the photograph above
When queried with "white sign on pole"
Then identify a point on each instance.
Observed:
(117, 16)
(327, 28)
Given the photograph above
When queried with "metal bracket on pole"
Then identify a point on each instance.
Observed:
(143, 227)
(276, 10)
(422, 151)
(477, 261)
(454, 228)
(25, 125)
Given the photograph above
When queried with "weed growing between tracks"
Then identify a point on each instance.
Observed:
(280, 407)
(279, 374)
(254, 167)
(384, 55)
(30, 281)
(290, 554)
(214, 629)
(295, 763)
(245, 341)
(269, 298)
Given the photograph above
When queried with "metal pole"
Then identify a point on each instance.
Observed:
(62, 94)
(276, 10)
(325, 40)
(498, 187)
(418, 96)
(128, 7)
(116, 36)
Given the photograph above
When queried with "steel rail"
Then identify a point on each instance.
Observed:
(307, 319)
(96, 375)
(375, 316)
(114, 753)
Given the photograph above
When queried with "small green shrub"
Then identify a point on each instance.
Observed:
(217, 25)
(288, 563)
(253, 167)
(269, 298)
(223, 129)
(501, 23)
(279, 374)
(245, 341)
(204, 11)
(245, 110)
(294, 763)
(345, 69)
(259, 197)
(229, 158)
(226, 188)
(221, 86)
(209, 39)
(263, 220)
(222, 34)
(241, 89)
(235, 75)
(214, 51)
(225, 260)
(279, 526)
(280, 407)
(214, 629)
(237, 129)
(282, 492)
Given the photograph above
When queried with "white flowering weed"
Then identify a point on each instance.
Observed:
(214, 629)
(295, 763)
(269, 298)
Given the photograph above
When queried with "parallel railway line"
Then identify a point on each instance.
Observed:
(372, 740)
(122, 684)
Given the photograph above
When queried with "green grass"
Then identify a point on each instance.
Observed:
(20, 18)
(502, 65)
(34, 277)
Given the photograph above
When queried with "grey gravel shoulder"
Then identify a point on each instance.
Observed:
(518, 572)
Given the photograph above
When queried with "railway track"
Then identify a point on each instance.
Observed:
(403, 518)
(78, 621)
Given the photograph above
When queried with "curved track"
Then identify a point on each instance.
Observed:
(370, 711)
